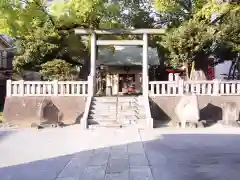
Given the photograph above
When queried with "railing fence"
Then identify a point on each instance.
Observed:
(47, 88)
(181, 87)
(156, 88)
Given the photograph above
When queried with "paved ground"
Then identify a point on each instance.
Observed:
(120, 154)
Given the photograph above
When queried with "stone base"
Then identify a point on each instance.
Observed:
(24, 111)
(211, 111)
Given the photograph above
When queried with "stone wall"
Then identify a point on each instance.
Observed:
(24, 111)
(163, 108)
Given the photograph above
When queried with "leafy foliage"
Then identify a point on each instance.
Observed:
(229, 29)
(187, 41)
(45, 36)
(44, 31)
(175, 12)
(200, 35)
(58, 69)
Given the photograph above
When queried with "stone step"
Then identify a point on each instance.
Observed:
(93, 121)
(112, 116)
(115, 104)
(103, 112)
(120, 108)
(103, 103)
(99, 126)
(104, 98)
(113, 121)
(126, 111)
(141, 116)
(102, 122)
(102, 108)
(114, 99)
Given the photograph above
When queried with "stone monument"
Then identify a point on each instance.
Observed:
(230, 114)
(187, 111)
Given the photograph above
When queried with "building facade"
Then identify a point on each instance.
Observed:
(120, 72)
(6, 57)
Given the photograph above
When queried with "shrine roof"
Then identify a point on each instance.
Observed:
(126, 55)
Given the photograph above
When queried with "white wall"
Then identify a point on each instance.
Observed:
(222, 68)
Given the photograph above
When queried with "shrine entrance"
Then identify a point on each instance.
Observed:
(114, 81)
(118, 81)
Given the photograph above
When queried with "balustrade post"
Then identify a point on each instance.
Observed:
(9, 88)
(21, 88)
(180, 86)
(216, 87)
(170, 77)
(55, 87)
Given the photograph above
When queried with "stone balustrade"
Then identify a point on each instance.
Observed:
(203, 87)
(47, 88)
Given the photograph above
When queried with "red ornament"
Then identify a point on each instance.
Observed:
(211, 73)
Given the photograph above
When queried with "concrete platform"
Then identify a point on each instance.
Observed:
(120, 154)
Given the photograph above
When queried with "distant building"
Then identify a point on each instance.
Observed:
(122, 68)
(7, 50)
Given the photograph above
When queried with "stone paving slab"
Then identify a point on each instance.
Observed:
(127, 154)
(117, 166)
(71, 172)
(94, 173)
(138, 160)
(118, 154)
(118, 176)
(141, 173)
(99, 159)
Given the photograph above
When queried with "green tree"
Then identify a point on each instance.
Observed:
(175, 12)
(45, 32)
(188, 43)
(229, 29)
(58, 69)
(200, 34)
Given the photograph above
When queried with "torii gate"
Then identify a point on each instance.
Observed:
(95, 43)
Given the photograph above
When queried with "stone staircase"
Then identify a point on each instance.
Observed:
(117, 112)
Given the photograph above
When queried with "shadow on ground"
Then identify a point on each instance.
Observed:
(169, 157)
(5, 134)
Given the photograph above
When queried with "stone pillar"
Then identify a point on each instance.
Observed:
(137, 82)
(93, 64)
(145, 65)
(93, 54)
(115, 84)
(176, 76)
(9, 88)
(170, 77)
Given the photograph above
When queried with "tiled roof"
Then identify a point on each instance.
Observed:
(126, 55)
(7, 40)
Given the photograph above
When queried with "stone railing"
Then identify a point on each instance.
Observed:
(181, 87)
(47, 88)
